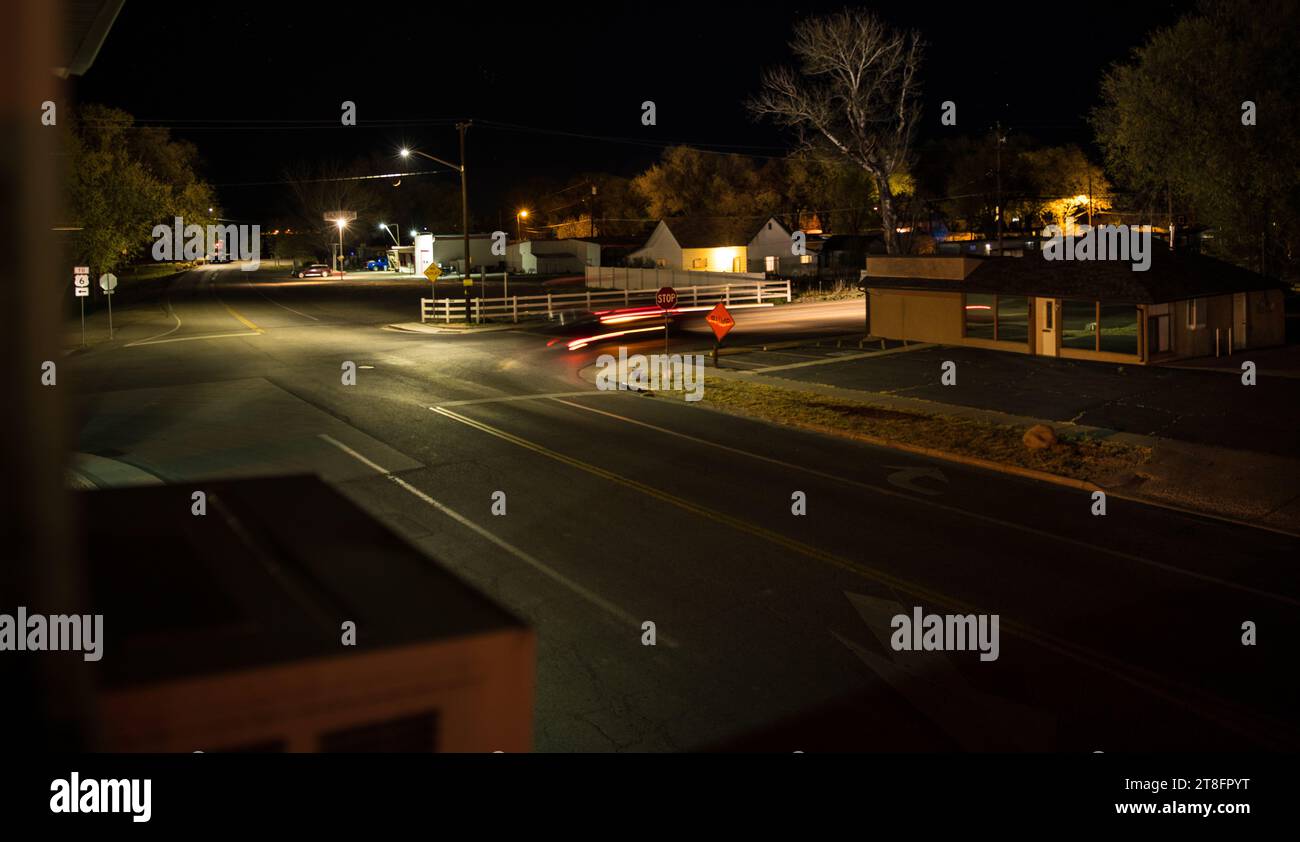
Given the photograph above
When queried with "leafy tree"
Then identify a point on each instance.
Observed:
(1064, 182)
(734, 191)
(1171, 122)
(122, 180)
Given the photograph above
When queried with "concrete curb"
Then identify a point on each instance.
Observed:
(1112, 490)
(418, 327)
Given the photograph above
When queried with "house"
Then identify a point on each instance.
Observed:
(694, 244)
(1183, 305)
(849, 251)
(770, 250)
(552, 257)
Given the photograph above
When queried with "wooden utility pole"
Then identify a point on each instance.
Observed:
(464, 195)
(997, 137)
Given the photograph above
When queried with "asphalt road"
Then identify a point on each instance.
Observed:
(1120, 632)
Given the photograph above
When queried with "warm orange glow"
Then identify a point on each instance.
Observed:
(586, 340)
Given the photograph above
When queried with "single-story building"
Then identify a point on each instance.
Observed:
(551, 257)
(770, 250)
(1183, 305)
(448, 251)
(850, 251)
(702, 245)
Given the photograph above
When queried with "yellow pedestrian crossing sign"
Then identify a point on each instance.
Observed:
(433, 272)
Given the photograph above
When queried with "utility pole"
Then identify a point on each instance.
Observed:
(464, 194)
(999, 138)
(1089, 195)
(464, 217)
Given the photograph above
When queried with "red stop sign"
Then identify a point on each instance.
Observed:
(666, 298)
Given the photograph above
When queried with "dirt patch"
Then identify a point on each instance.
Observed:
(1079, 458)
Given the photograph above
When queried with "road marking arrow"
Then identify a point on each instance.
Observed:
(904, 477)
(932, 685)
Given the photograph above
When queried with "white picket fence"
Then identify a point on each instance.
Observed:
(620, 277)
(553, 305)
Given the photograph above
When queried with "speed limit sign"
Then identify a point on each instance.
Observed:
(666, 298)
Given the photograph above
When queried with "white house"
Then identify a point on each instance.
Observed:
(551, 257)
(771, 250)
(691, 244)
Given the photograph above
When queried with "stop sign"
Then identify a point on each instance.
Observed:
(666, 298)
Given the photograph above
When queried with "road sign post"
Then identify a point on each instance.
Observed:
(108, 283)
(721, 322)
(81, 283)
(432, 272)
(666, 298)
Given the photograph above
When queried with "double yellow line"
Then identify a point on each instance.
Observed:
(1209, 707)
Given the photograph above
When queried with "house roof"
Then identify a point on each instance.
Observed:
(708, 232)
(1172, 276)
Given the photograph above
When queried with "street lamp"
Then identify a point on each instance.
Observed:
(519, 224)
(464, 189)
(342, 224)
(396, 239)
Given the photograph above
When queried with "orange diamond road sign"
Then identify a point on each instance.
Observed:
(720, 320)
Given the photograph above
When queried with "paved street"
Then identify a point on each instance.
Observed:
(1118, 633)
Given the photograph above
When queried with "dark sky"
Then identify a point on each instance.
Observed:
(556, 89)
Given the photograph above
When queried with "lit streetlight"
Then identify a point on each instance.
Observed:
(464, 190)
(342, 224)
(519, 224)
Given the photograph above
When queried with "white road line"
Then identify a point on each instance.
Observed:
(278, 304)
(172, 311)
(592, 391)
(192, 338)
(843, 359)
(554, 575)
(1168, 568)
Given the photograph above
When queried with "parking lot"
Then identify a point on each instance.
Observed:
(1206, 407)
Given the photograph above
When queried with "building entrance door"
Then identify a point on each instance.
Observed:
(1045, 320)
(1239, 321)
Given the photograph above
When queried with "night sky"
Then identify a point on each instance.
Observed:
(556, 89)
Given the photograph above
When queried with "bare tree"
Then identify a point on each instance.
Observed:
(855, 92)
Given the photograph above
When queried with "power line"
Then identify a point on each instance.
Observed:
(323, 180)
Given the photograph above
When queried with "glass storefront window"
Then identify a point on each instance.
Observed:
(1079, 325)
(979, 316)
(1013, 318)
(1118, 328)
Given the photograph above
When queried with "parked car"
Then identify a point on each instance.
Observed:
(316, 270)
(378, 265)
